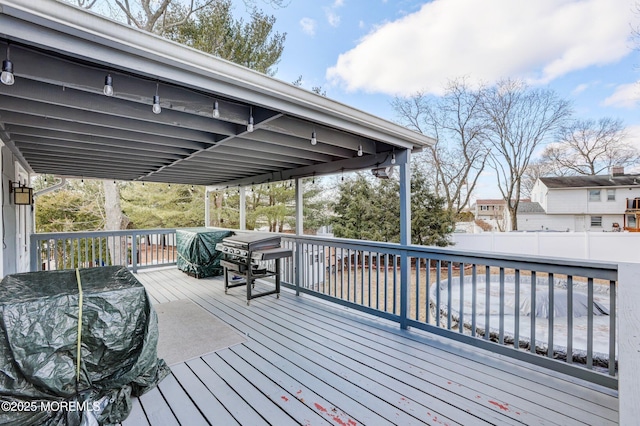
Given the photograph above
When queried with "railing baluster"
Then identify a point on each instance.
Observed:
(487, 302)
(386, 281)
(377, 280)
(516, 312)
(438, 267)
(590, 323)
(474, 298)
(461, 314)
(427, 291)
(570, 319)
(501, 308)
(532, 341)
(552, 308)
(341, 273)
(362, 278)
(612, 328)
(369, 264)
(449, 291)
(417, 318)
(395, 283)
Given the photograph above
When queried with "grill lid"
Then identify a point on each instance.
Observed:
(252, 241)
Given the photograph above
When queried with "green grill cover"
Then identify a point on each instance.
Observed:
(197, 254)
(39, 314)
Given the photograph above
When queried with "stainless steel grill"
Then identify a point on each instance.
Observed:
(251, 256)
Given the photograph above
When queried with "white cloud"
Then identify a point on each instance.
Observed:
(332, 17)
(625, 96)
(486, 40)
(308, 26)
(580, 88)
(338, 3)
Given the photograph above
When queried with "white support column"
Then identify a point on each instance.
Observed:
(298, 259)
(299, 207)
(207, 212)
(629, 343)
(243, 208)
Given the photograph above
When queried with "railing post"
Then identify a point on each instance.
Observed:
(134, 252)
(297, 266)
(34, 261)
(628, 343)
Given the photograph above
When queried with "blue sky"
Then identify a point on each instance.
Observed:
(364, 52)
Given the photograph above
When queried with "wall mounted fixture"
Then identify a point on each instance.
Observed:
(7, 71)
(22, 194)
(108, 86)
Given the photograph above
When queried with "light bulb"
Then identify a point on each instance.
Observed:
(393, 158)
(359, 150)
(314, 140)
(7, 73)
(108, 85)
(156, 104)
(250, 125)
(216, 111)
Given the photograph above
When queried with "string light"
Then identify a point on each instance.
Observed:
(156, 101)
(359, 150)
(108, 85)
(393, 158)
(250, 123)
(7, 71)
(314, 140)
(216, 111)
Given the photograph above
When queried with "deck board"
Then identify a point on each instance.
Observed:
(310, 362)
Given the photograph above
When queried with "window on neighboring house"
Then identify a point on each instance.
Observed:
(596, 221)
(611, 194)
(631, 221)
(594, 195)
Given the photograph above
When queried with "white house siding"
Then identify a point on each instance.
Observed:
(571, 208)
(544, 222)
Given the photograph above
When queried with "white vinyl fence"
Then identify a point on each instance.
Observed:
(601, 246)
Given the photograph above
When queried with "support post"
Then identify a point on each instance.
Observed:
(207, 212)
(403, 159)
(243, 208)
(299, 256)
(628, 343)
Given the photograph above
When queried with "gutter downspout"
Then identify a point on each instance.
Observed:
(52, 188)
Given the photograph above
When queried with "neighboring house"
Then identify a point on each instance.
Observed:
(492, 212)
(495, 213)
(584, 203)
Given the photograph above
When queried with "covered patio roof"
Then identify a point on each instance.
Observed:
(57, 119)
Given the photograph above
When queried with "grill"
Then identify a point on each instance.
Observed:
(248, 257)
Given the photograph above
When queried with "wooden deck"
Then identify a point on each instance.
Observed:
(309, 362)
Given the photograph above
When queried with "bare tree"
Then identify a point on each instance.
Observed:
(534, 171)
(159, 16)
(589, 147)
(520, 119)
(455, 120)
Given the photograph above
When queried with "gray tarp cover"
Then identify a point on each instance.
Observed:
(38, 346)
(197, 255)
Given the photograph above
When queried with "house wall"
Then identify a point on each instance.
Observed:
(17, 221)
(576, 201)
(599, 246)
